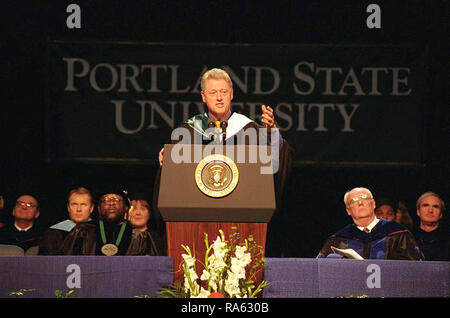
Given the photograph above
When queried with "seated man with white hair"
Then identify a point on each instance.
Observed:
(370, 237)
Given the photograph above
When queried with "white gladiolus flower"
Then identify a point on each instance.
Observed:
(205, 275)
(223, 271)
(187, 287)
(238, 270)
(213, 285)
(240, 250)
(232, 290)
(218, 264)
(193, 275)
(236, 261)
(238, 267)
(211, 258)
(232, 279)
(189, 260)
(232, 285)
(219, 247)
(247, 259)
(202, 294)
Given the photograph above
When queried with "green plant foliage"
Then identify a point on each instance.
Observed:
(173, 291)
(352, 296)
(20, 292)
(61, 294)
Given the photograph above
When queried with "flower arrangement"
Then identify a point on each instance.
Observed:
(230, 269)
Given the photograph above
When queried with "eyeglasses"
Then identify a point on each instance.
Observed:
(362, 198)
(110, 200)
(222, 92)
(25, 204)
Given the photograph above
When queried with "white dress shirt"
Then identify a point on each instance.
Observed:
(371, 225)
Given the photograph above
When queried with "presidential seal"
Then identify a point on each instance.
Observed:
(216, 175)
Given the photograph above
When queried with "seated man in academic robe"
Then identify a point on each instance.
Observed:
(114, 231)
(24, 230)
(370, 237)
(432, 236)
(76, 235)
(222, 126)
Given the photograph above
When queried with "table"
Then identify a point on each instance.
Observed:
(91, 276)
(303, 277)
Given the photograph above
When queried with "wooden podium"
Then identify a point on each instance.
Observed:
(189, 213)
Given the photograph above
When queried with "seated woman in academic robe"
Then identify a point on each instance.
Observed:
(145, 237)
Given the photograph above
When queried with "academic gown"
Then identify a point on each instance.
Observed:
(435, 245)
(51, 242)
(387, 240)
(143, 243)
(69, 239)
(10, 235)
(112, 231)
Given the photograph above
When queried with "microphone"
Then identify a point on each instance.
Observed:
(224, 125)
(219, 125)
(211, 124)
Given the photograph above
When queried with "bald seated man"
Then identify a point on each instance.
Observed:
(369, 236)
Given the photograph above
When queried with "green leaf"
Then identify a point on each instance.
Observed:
(59, 294)
(70, 293)
(173, 291)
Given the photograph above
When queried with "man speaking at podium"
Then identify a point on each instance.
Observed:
(219, 125)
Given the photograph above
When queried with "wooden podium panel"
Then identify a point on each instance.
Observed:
(192, 234)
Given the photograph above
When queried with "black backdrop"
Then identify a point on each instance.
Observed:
(313, 206)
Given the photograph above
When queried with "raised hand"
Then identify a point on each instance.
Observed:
(267, 117)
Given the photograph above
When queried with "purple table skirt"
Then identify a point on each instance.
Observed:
(304, 278)
(115, 276)
(130, 276)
